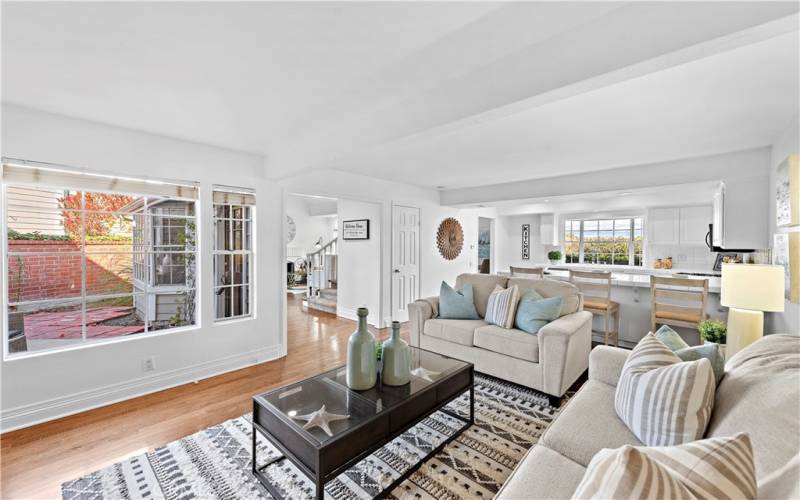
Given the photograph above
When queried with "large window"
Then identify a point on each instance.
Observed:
(604, 241)
(234, 211)
(91, 258)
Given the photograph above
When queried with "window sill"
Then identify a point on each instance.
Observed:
(230, 321)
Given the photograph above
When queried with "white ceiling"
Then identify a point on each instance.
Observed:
(434, 94)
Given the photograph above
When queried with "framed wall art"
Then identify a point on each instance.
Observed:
(526, 242)
(787, 192)
(355, 229)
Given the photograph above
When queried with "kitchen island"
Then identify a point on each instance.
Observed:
(631, 289)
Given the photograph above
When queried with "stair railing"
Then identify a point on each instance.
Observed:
(316, 261)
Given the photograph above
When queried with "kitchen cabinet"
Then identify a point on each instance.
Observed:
(548, 229)
(664, 226)
(741, 213)
(693, 225)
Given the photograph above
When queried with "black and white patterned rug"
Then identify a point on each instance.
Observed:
(215, 463)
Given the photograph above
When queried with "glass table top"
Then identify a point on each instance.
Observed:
(302, 400)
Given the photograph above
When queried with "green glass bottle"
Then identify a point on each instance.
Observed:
(362, 372)
(396, 359)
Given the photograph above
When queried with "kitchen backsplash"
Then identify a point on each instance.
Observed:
(683, 257)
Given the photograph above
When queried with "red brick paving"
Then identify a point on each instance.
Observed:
(67, 324)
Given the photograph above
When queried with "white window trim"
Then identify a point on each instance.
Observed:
(595, 217)
(84, 342)
(251, 254)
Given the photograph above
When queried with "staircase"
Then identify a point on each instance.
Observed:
(325, 301)
(322, 278)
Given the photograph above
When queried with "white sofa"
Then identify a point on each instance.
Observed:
(549, 361)
(759, 395)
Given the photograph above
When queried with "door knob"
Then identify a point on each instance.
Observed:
(397, 271)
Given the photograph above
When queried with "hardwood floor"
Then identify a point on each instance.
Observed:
(36, 460)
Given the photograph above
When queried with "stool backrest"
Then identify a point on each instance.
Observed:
(593, 284)
(536, 271)
(679, 298)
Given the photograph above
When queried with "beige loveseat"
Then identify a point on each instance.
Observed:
(759, 395)
(549, 361)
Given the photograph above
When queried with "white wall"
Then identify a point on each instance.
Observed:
(787, 143)
(433, 268)
(359, 263)
(309, 228)
(508, 230)
(46, 386)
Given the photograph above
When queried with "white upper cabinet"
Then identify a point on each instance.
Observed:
(548, 229)
(693, 224)
(742, 211)
(664, 226)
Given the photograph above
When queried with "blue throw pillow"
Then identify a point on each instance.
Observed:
(671, 339)
(710, 351)
(456, 304)
(533, 312)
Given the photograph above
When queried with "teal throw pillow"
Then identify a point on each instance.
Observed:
(710, 351)
(671, 339)
(456, 304)
(533, 312)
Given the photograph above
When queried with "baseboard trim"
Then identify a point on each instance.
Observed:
(351, 314)
(28, 415)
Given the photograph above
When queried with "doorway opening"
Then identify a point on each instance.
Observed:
(333, 255)
(485, 233)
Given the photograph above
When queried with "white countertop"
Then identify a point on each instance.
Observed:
(630, 276)
(639, 280)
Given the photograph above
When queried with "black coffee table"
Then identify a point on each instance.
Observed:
(376, 416)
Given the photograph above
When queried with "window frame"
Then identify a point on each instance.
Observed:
(631, 230)
(248, 254)
(86, 298)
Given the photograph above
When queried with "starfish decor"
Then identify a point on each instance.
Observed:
(321, 418)
(424, 374)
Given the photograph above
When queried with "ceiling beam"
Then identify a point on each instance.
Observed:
(742, 164)
(613, 46)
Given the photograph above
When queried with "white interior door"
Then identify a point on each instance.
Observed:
(405, 260)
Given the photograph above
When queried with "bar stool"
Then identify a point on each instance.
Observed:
(677, 301)
(596, 289)
(532, 271)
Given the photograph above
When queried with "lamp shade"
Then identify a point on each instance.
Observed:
(755, 287)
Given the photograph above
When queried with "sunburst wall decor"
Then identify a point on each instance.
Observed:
(450, 238)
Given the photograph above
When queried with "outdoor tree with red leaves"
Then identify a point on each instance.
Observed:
(97, 224)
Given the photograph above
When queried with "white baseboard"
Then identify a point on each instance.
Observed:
(347, 313)
(28, 415)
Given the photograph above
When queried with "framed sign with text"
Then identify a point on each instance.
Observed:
(355, 229)
(526, 241)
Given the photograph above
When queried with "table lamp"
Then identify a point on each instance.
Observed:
(749, 290)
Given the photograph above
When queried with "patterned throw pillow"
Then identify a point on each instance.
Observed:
(709, 469)
(534, 311)
(456, 304)
(502, 306)
(662, 400)
(710, 351)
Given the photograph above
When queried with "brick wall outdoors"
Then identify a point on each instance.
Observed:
(58, 276)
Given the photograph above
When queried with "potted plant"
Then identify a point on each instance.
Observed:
(554, 256)
(713, 330)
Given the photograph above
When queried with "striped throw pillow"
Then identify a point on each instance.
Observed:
(662, 400)
(716, 468)
(502, 306)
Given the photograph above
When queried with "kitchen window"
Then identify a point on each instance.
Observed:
(604, 241)
(90, 257)
(234, 213)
